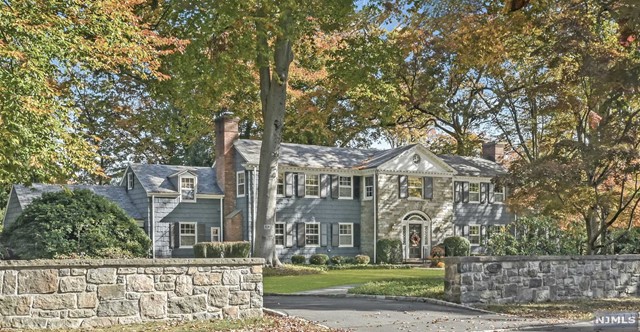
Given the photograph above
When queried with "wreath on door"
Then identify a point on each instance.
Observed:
(415, 239)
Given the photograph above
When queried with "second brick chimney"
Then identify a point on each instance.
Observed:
(493, 151)
(226, 128)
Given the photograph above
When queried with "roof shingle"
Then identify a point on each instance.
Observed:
(155, 178)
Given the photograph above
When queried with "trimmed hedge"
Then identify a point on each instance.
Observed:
(298, 259)
(338, 260)
(239, 249)
(389, 251)
(456, 246)
(319, 259)
(362, 259)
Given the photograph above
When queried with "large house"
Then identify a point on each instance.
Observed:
(337, 201)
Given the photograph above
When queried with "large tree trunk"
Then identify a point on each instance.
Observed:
(273, 94)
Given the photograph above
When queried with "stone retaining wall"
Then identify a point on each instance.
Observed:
(94, 293)
(521, 279)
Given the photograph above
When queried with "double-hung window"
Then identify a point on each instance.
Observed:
(280, 191)
(312, 234)
(368, 187)
(474, 234)
(498, 194)
(312, 185)
(188, 234)
(415, 186)
(129, 181)
(474, 192)
(188, 189)
(241, 184)
(215, 234)
(345, 187)
(279, 230)
(345, 235)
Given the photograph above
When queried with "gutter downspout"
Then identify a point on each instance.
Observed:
(254, 180)
(221, 220)
(152, 226)
(375, 215)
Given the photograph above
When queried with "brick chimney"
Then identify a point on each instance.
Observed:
(226, 128)
(493, 151)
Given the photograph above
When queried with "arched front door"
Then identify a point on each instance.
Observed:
(416, 236)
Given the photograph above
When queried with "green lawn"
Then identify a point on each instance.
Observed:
(292, 284)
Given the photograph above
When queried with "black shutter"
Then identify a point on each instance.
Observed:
(288, 241)
(335, 235)
(288, 184)
(465, 192)
(356, 235)
(356, 187)
(202, 233)
(300, 234)
(492, 197)
(484, 187)
(428, 187)
(403, 186)
(301, 183)
(323, 234)
(457, 192)
(324, 185)
(335, 192)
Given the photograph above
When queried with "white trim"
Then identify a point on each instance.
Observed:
(284, 184)
(504, 195)
(284, 233)
(238, 184)
(307, 234)
(350, 187)
(468, 236)
(222, 220)
(122, 181)
(177, 195)
(479, 191)
(195, 234)
(152, 226)
(472, 179)
(364, 188)
(211, 233)
(306, 178)
(130, 182)
(195, 188)
(421, 188)
(339, 235)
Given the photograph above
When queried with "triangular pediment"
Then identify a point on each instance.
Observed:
(417, 159)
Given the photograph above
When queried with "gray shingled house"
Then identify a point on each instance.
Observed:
(338, 201)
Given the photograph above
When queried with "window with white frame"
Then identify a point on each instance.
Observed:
(345, 187)
(215, 234)
(368, 187)
(241, 184)
(279, 233)
(474, 234)
(280, 184)
(345, 237)
(415, 186)
(188, 234)
(188, 189)
(312, 234)
(312, 185)
(495, 230)
(129, 181)
(498, 194)
(474, 192)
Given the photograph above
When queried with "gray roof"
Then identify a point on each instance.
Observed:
(155, 178)
(115, 194)
(473, 166)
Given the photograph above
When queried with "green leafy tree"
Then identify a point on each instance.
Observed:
(74, 223)
(46, 47)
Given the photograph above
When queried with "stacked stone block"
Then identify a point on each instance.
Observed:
(522, 279)
(95, 293)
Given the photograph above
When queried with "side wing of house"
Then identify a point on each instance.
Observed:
(138, 196)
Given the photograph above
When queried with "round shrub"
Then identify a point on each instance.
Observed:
(362, 259)
(75, 223)
(456, 246)
(319, 259)
(338, 260)
(298, 259)
(389, 251)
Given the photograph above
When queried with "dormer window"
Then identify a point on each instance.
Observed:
(188, 189)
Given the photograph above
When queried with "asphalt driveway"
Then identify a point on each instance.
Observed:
(370, 314)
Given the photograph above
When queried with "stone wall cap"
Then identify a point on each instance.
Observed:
(483, 259)
(135, 262)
